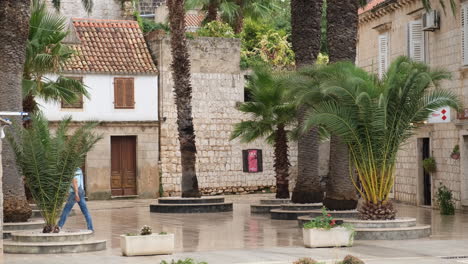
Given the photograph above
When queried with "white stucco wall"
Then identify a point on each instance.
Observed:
(100, 106)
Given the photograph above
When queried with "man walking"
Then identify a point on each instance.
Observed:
(77, 195)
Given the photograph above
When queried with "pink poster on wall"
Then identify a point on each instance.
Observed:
(253, 160)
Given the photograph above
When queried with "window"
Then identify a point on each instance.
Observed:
(124, 97)
(383, 54)
(79, 103)
(416, 45)
(252, 160)
(464, 35)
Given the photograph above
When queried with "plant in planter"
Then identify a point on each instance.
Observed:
(455, 153)
(324, 231)
(49, 161)
(374, 117)
(429, 165)
(147, 243)
(444, 198)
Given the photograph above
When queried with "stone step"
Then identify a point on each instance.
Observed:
(401, 233)
(275, 201)
(63, 236)
(398, 223)
(301, 207)
(263, 208)
(13, 247)
(201, 200)
(280, 214)
(30, 225)
(191, 208)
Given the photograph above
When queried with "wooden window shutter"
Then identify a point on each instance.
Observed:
(383, 54)
(464, 33)
(124, 93)
(79, 103)
(260, 160)
(416, 46)
(129, 93)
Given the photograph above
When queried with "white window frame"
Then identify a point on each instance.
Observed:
(383, 39)
(416, 41)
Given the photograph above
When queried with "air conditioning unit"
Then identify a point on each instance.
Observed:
(431, 20)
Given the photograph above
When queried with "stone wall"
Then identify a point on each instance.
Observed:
(98, 160)
(443, 50)
(218, 85)
(102, 9)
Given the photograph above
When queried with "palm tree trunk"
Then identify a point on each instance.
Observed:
(306, 33)
(281, 163)
(183, 97)
(14, 28)
(341, 14)
(239, 23)
(212, 12)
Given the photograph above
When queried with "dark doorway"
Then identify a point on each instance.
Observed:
(123, 166)
(426, 175)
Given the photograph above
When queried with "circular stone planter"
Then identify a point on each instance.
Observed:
(63, 236)
(178, 205)
(266, 205)
(34, 242)
(275, 201)
(397, 223)
(31, 224)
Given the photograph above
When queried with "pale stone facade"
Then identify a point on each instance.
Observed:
(442, 49)
(218, 85)
(102, 9)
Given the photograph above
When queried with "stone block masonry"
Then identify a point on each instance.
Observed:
(1, 202)
(218, 85)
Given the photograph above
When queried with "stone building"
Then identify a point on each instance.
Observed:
(218, 86)
(113, 61)
(3, 123)
(391, 28)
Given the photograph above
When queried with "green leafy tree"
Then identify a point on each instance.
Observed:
(45, 54)
(49, 161)
(374, 118)
(216, 29)
(270, 111)
(234, 11)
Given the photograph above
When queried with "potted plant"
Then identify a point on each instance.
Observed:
(147, 243)
(445, 200)
(455, 153)
(324, 231)
(429, 165)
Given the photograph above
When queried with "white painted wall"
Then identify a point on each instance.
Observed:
(100, 106)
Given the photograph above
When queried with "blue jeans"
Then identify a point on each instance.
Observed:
(84, 209)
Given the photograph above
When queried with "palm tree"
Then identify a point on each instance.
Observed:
(340, 195)
(233, 11)
(183, 97)
(87, 4)
(45, 53)
(14, 19)
(49, 161)
(306, 35)
(271, 111)
(374, 118)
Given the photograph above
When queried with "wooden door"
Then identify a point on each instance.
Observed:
(123, 166)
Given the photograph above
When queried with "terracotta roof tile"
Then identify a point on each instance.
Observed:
(110, 46)
(371, 5)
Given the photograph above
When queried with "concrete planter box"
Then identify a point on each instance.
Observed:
(335, 237)
(154, 244)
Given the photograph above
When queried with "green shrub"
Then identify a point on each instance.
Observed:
(429, 165)
(324, 221)
(149, 25)
(456, 149)
(216, 29)
(185, 261)
(305, 261)
(351, 260)
(146, 230)
(444, 198)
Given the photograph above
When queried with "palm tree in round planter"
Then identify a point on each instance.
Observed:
(49, 161)
(375, 118)
(271, 110)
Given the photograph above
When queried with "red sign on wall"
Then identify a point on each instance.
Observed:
(253, 160)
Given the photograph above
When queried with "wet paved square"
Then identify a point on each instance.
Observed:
(240, 237)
